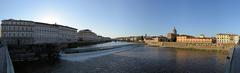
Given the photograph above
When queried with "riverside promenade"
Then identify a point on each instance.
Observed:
(6, 65)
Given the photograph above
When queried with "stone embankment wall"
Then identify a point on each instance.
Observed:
(198, 46)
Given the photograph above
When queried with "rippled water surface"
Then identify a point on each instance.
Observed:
(143, 59)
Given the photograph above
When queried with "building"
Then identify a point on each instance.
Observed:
(156, 39)
(172, 36)
(202, 36)
(121, 38)
(131, 38)
(136, 38)
(236, 39)
(88, 35)
(23, 32)
(101, 38)
(227, 38)
(192, 39)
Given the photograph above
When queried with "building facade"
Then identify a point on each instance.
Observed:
(88, 35)
(227, 38)
(155, 39)
(236, 39)
(192, 39)
(23, 32)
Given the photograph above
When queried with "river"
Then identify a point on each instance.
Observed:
(129, 59)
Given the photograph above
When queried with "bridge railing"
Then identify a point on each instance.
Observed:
(229, 59)
(6, 65)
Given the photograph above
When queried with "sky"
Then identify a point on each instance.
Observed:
(116, 18)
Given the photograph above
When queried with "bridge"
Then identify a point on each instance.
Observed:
(233, 60)
(6, 65)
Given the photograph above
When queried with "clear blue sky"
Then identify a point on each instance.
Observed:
(131, 17)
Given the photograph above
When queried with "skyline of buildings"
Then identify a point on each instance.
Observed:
(25, 32)
(136, 17)
(172, 36)
(22, 32)
(120, 35)
(169, 35)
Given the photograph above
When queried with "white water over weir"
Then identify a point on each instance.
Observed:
(90, 55)
(6, 65)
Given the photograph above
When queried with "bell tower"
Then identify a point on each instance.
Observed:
(174, 30)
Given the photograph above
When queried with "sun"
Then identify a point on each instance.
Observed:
(50, 16)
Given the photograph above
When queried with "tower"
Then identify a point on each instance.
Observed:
(172, 36)
(174, 31)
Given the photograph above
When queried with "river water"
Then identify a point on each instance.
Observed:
(141, 59)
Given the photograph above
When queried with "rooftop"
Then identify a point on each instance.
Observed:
(39, 23)
(227, 34)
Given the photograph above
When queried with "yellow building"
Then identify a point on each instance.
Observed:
(227, 38)
(192, 39)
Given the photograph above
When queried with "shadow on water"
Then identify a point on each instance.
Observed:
(30, 67)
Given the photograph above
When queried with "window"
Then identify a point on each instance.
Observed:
(13, 28)
(23, 28)
(10, 35)
(6, 35)
(17, 28)
(9, 28)
(14, 35)
(20, 34)
(24, 34)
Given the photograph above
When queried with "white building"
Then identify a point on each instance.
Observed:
(236, 39)
(30, 32)
(227, 38)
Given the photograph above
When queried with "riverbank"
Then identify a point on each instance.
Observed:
(193, 46)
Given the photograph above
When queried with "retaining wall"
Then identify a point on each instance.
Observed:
(198, 46)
